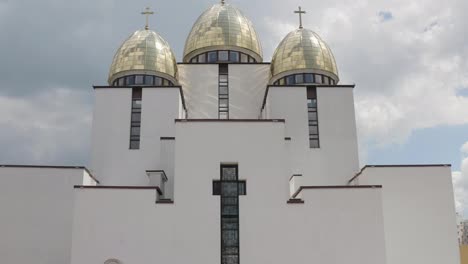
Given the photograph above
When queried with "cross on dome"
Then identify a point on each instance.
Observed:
(300, 12)
(147, 13)
(223, 2)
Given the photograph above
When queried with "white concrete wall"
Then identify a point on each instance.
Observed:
(200, 85)
(337, 158)
(167, 164)
(112, 161)
(419, 213)
(36, 206)
(332, 226)
(247, 85)
(128, 225)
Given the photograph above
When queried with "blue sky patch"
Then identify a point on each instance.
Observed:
(463, 92)
(385, 16)
(438, 145)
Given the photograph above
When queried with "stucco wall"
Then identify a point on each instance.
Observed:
(36, 206)
(337, 158)
(200, 85)
(419, 213)
(128, 225)
(247, 84)
(112, 161)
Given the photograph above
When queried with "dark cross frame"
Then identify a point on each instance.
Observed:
(229, 188)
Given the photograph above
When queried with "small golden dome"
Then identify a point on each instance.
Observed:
(222, 27)
(144, 52)
(303, 51)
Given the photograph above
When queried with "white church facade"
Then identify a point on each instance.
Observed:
(225, 158)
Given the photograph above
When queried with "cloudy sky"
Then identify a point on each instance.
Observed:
(409, 60)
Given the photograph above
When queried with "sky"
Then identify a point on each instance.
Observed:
(408, 59)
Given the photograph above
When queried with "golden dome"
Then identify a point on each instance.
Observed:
(144, 52)
(303, 51)
(222, 27)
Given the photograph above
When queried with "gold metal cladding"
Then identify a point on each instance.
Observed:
(303, 49)
(222, 25)
(144, 51)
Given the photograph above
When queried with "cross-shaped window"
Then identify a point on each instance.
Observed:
(229, 188)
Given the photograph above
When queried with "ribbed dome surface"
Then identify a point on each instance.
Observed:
(303, 49)
(222, 27)
(144, 51)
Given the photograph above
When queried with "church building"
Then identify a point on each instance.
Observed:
(226, 158)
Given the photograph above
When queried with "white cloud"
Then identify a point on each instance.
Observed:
(464, 149)
(50, 128)
(460, 184)
(408, 71)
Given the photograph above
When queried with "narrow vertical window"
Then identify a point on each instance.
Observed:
(229, 215)
(223, 92)
(313, 117)
(135, 123)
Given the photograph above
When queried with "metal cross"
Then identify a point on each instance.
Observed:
(147, 13)
(300, 12)
(223, 2)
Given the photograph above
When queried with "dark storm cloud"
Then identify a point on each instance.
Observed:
(50, 43)
(63, 44)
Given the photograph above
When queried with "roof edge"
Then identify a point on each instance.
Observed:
(52, 167)
(396, 166)
(335, 187)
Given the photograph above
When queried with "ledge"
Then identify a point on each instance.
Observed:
(232, 63)
(335, 187)
(165, 201)
(294, 175)
(121, 188)
(295, 201)
(232, 120)
(396, 166)
(157, 171)
(135, 86)
(315, 85)
(52, 167)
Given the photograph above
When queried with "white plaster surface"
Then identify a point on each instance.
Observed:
(36, 207)
(112, 161)
(247, 85)
(128, 225)
(419, 213)
(200, 85)
(337, 157)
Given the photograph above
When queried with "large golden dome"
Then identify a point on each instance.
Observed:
(144, 52)
(303, 51)
(222, 27)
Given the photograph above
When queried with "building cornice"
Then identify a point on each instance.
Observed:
(232, 120)
(120, 188)
(396, 166)
(52, 167)
(232, 63)
(334, 187)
